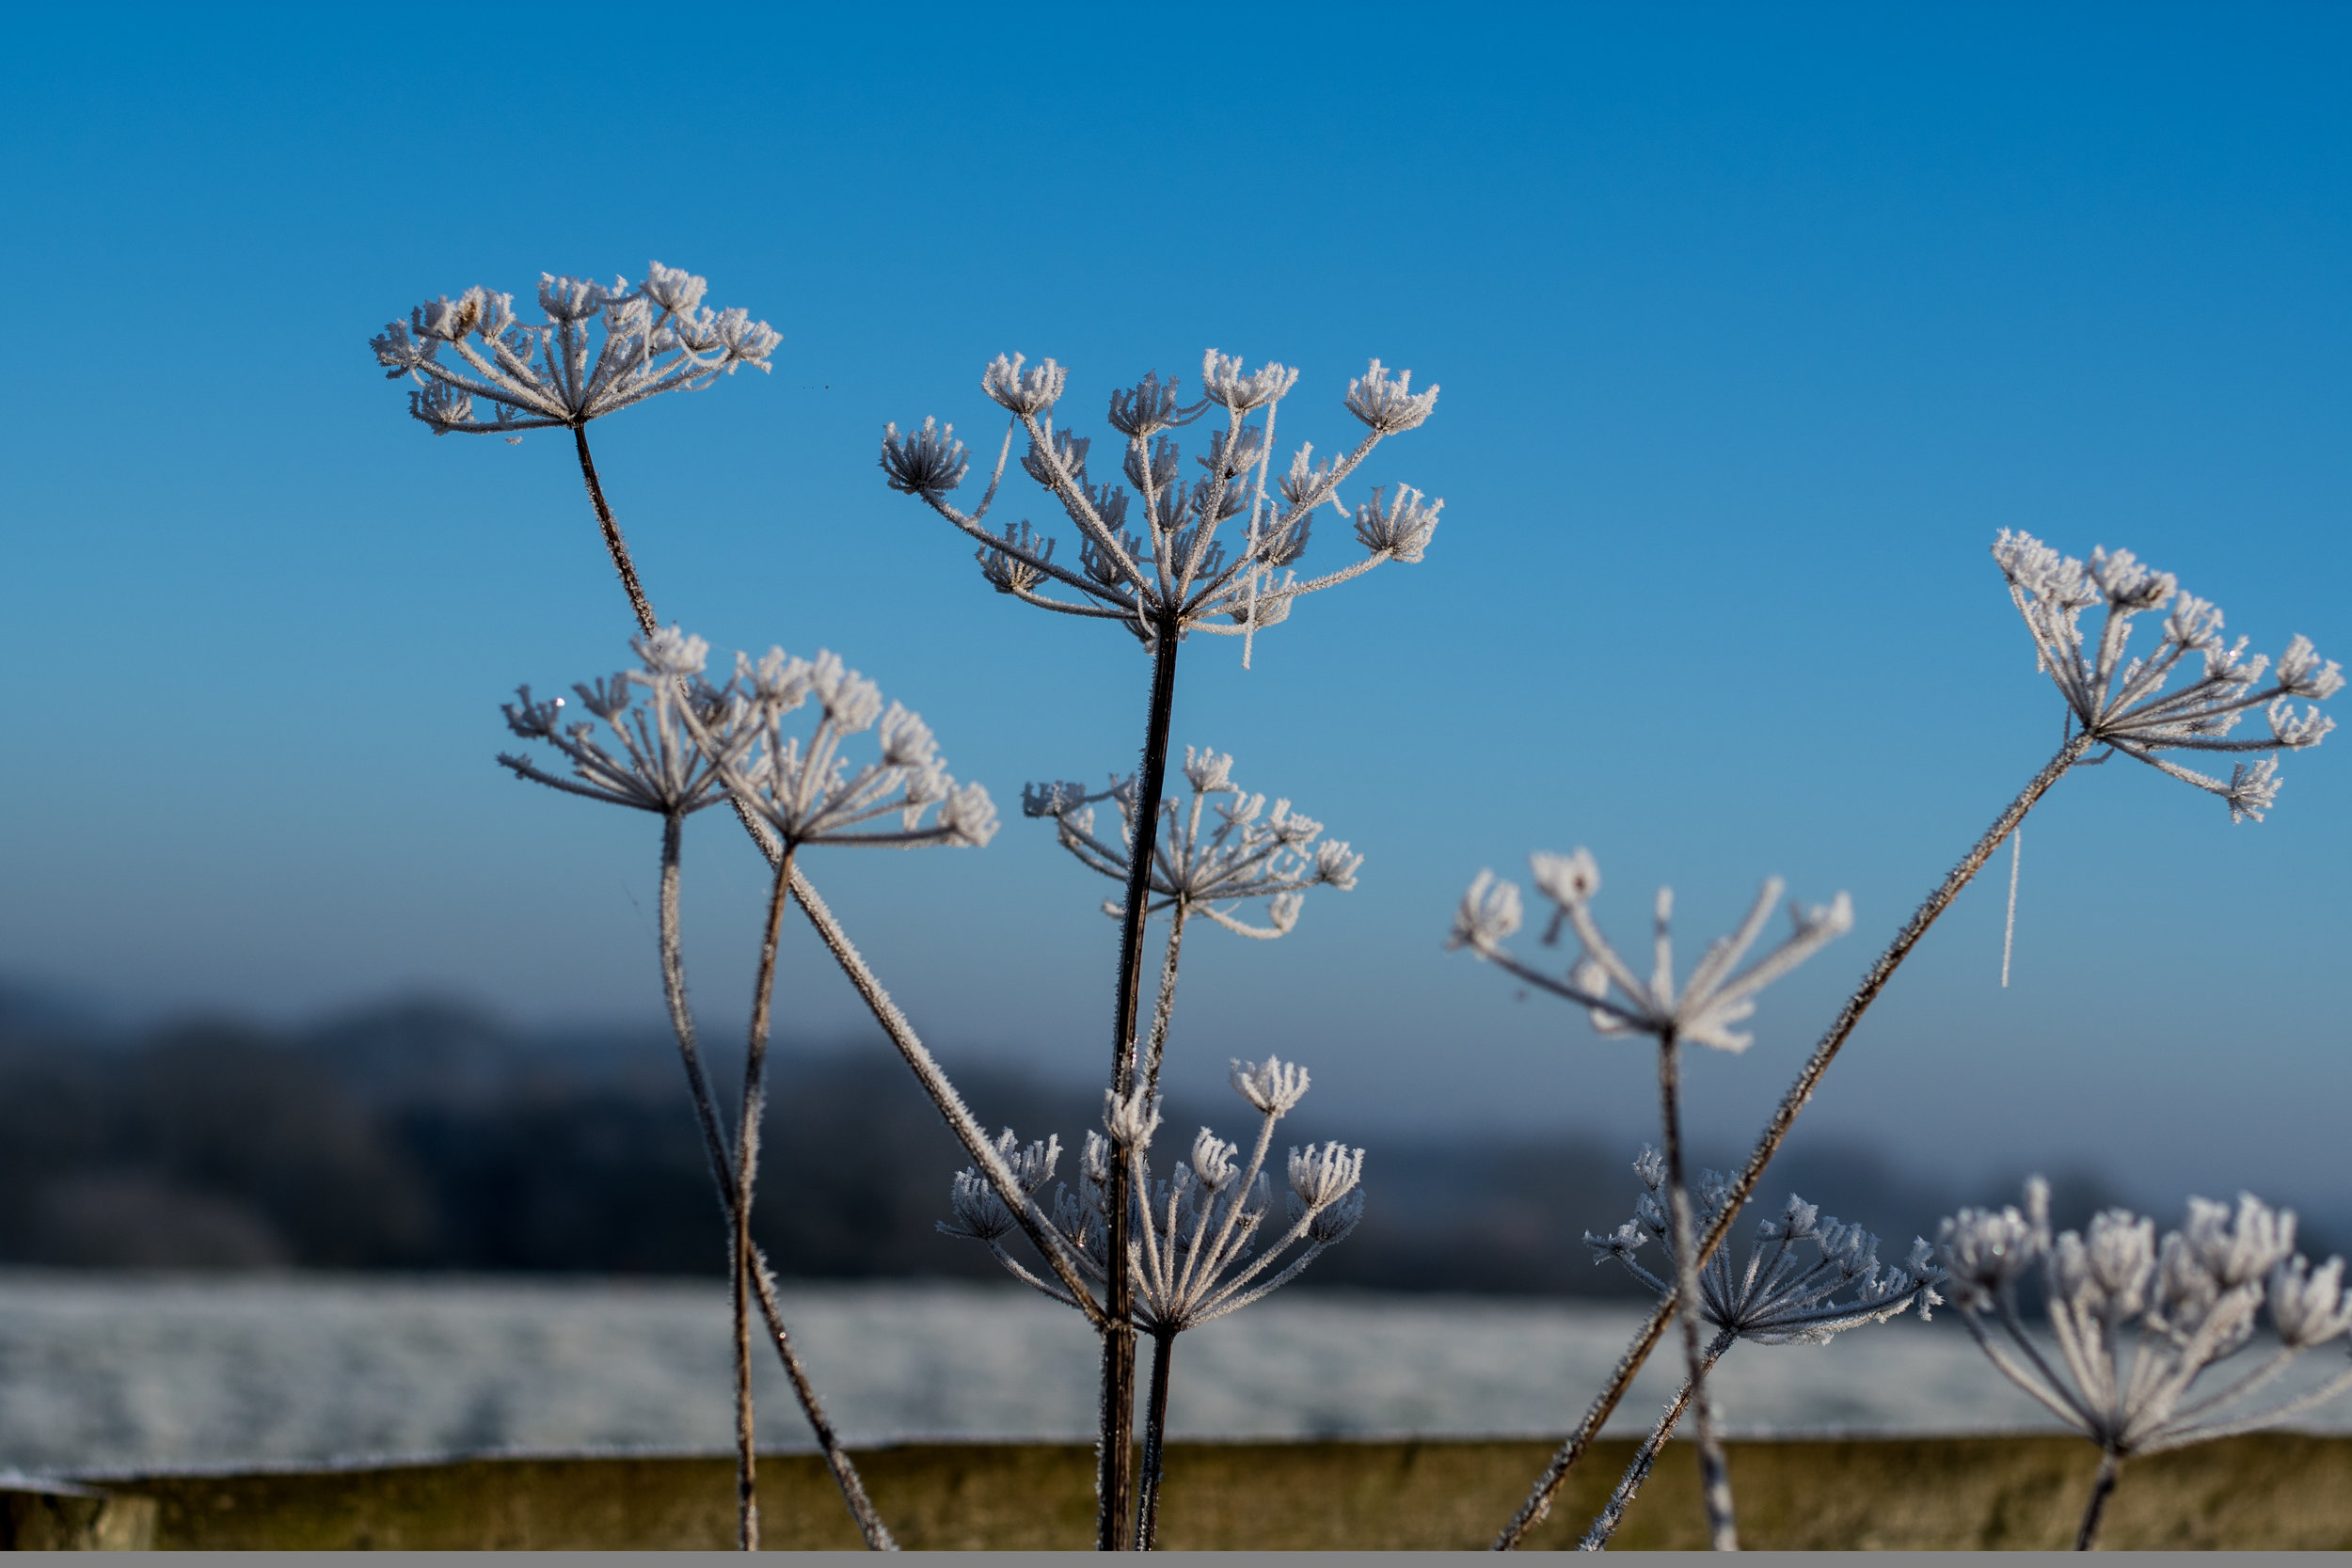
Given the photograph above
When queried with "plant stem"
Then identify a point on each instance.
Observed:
(877, 1535)
(746, 1173)
(1714, 1475)
(612, 540)
(2110, 1464)
(1547, 1488)
(1166, 1004)
(1605, 1523)
(1115, 1476)
(1154, 1442)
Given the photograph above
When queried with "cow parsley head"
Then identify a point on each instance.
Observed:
(1215, 551)
(674, 730)
(2186, 694)
(1801, 1264)
(2191, 1300)
(1222, 847)
(597, 351)
(1701, 1008)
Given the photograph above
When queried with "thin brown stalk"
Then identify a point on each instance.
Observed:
(1165, 1006)
(2110, 1464)
(870, 1527)
(612, 540)
(1547, 1489)
(1714, 1473)
(746, 1173)
(1629, 1486)
(1154, 1442)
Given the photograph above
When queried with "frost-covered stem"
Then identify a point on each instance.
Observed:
(746, 1173)
(613, 541)
(2110, 1463)
(1547, 1489)
(1605, 1523)
(1166, 1004)
(845, 1475)
(1154, 1442)
(1115, 1476)
(1714, 1475)
(2009, 929)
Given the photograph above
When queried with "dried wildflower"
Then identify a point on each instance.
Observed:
(2135, 707)
(1196, 1252)
(661, 767)
(2196, 1297)
(563, 372)
(1788, 1294)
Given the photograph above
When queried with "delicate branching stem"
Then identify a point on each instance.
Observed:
(1539, 1500)
(1605, 1523)
(1115, 1481)
(1714, 1475)
(1166, 1004)
(612, 540)
(746, 1175)
(1154, 1442)
(2110, 1464)
(877, 1535)
(2009, 929)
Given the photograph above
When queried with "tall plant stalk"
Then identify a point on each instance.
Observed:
(638, 603)
(1646, 1458)
(2111, 1467)
(1547, 1488)
(1154, 1442)
(1714, 1473)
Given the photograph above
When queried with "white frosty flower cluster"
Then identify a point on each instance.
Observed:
(1801, 1264)
(2135, 705)
(2196, 1297)
(1194, 1254)
(1701, 1010)
(599, 350)
(1223, 847)
(691, 744)
(1150, 552)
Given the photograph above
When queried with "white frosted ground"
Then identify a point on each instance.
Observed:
(109, 1372)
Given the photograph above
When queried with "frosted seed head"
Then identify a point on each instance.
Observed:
(1142, 411)
(969, 816)
(2308, 1306)
(608, 698)
(1213, 1160)
(978, 1213)
(529, 720)
(1323, 1176)
(398, 352)
(1985, 1253)
(2304, 674)
(929, 463)
(1570, 879)
(1024, 392)
(906, 740)
(1273, 1085)
(1336, 1222)
(1223, 380)
(1389, 406)
(1650, 1166)
(1335, 865)
(1305, 485)
(669, 651)
(2237, 1249)
(1619, 1245)
(1281, 911)
(1210, 772)
(1400, 529)
(1132, 1119)
(777, 682)
(2128, 585)
(2252, 789)
(570, 299)
(1488, 915)
(1052, 799)
(674, 289)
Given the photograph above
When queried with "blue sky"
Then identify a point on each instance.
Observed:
(1753, 325)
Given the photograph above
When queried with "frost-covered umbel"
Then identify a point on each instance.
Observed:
(805, 789)
(1803, 1262)
(660, 765)
(1707, 1003)
(1247, 851)
(598, 351)
(2195, 1297)
(1150, 551)
(2135, 705)
(1195, 1253)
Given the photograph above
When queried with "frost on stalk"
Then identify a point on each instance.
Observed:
(1222, 847)
(2195, 1298)
(1201, 1245)
(598, 351)
(1212, 553)
(1802, 1264)
(660, 765)
(2168, 700)
(1701, 1008)
(807, 791)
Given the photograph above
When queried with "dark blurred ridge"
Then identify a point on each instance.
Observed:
(429, 1135)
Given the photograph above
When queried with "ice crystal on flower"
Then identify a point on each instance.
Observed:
(2167, 699)
(565, 372)
(1701, 1008)
(675, 731)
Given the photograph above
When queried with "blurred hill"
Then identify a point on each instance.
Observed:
(428, 1135)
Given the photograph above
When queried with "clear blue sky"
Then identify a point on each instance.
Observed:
(1755, 323)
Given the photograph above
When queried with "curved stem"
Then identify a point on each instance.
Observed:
(1605, 1523)
(877, 1535)
(1114, 1478)
(1547, 1488)
(1166, 1006)
(1154, 1442)
(612, 540)
(1714, 1475)
(2100, 1489)
(746, 1173)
